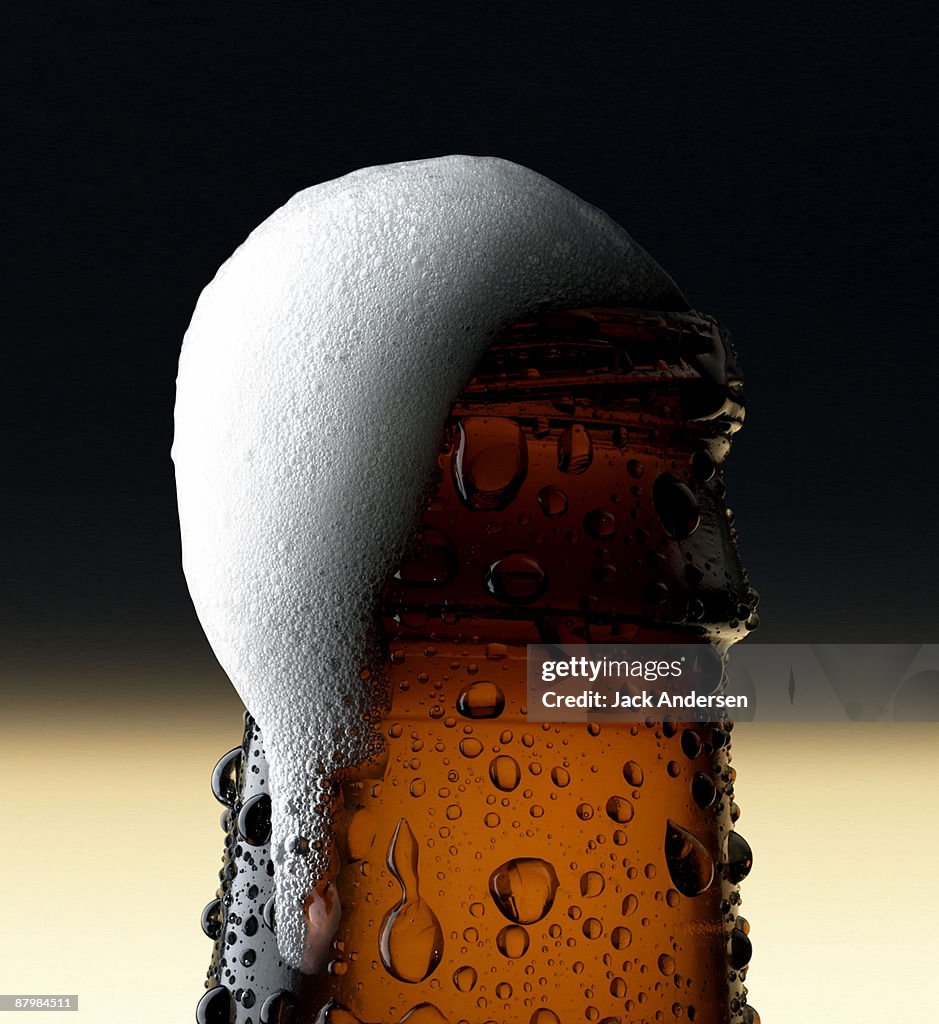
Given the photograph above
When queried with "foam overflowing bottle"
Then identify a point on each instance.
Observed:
(430, 414)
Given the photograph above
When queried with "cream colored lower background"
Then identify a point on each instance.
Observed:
(111, 848)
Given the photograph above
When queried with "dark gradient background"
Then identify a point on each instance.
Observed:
(776, 159)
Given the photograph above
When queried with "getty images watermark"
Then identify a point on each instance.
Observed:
(755, 682)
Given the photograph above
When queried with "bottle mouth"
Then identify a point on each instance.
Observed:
(616, 363)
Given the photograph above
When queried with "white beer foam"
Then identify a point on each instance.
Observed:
(314, 383)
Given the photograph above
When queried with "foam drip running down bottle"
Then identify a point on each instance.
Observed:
(483, 867)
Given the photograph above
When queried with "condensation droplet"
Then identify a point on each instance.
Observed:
(592, 928)
(512, 941)
(362, 829)
(560, 777)
(516, 578)
(599, 523)
(524, 889)
(575, 449)
(464, 978)
(592, 883)
(470, 746)
(254, 820)
(491, 461)
(739, 857)
(481, 699)
(739, 949)
(619, 809)
(504, 773)
(212, 919)
(676, 506)
(215, 1007)
(552, 501)
(703, 790)
(689, 863)
(621, 937)
(431, 562)
(423, 1013)
(225, 777)
(632, 773)
(411, 939)
(278, 1008)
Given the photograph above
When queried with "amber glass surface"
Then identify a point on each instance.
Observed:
(487, 868)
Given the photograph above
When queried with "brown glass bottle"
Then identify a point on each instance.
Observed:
(490, 869)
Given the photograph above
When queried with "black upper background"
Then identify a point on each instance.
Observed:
(774, 158)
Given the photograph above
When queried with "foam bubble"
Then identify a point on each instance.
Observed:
(314, 383)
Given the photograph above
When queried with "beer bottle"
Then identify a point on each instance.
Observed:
(485, 868)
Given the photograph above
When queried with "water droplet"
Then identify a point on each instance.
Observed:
(424, 1013)
(516, 578)
(278, 1008)
(703, 790)
(212, 919)
(619, 809)
(504, 990)
(575, 449)
(560, 777)
(703, 465)
(630, 904)
(470, 747)
(334, 1013)
(553, 501)
(524, 889)
(585, 811)
(592, 883)
(599, 523)
(417, 789)
(254, 821)
(492, 820)
(491, 461)
(362, 829)
(216, 1007)
(676, 506)
(267, 913)
(504, 773)
(225, 777)
(464, 978)
(689, 863)
(481, 699)
(739, 857)
(632, 773)
(512, 941)
(666, 965)
(431, 562)
(592, 928)
(634, 468)
(544, 1016)
(739, 949)
(621, 937)
(691, 743)
(411, 938)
